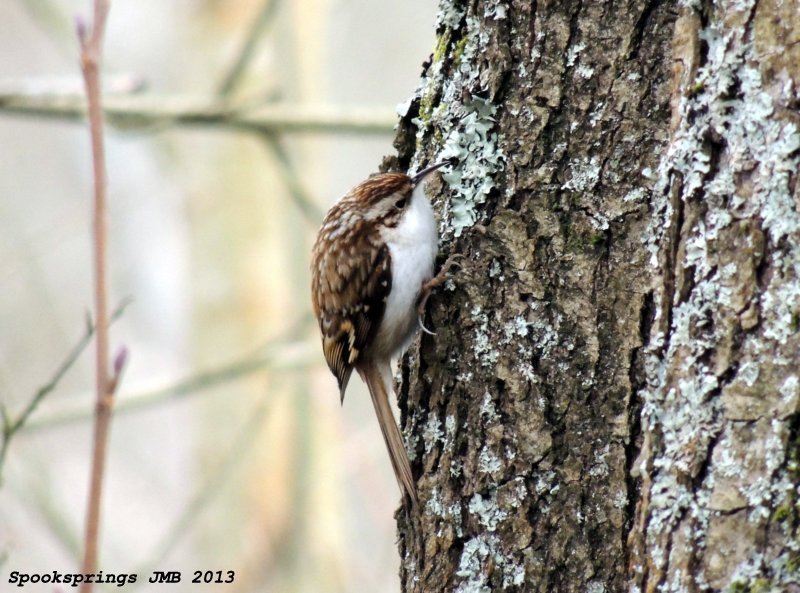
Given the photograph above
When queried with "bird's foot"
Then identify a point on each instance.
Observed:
(428, 286)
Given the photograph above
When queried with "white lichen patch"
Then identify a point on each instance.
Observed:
(513, 575)
(432, 433)
(478, 553)
(528, 373)
(600, 466)
(495, 269)
(447, 514)
(464, 120)
(774, 450)
(749, 571)
(748, 372)
(584, 71)
(465, 377)
(638, 194)
(489, 462)
(456, 467)
(517, 492)
(781, 302)
(573, 52)
(511, 453)
(520, 326)
(599, 221)
(544, 481)
(434, 506)
(544, 334)
(514, 329)
(482, 345)
(475, 553)
(597, 114)
(449, 432)
(496, 9)
(488, 409)
(410, 439)
(489, 514)
(758, 495)
(595, 587)
(473, 143)
(450, 15)
(584, 174)
(727, 463)
(790, 390)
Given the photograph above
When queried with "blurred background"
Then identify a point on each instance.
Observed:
(229, 449)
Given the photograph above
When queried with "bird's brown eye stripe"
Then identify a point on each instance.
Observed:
(378, 187)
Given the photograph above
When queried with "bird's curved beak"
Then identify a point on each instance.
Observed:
(429, 169)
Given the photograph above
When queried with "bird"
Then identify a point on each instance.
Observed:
(372, 270)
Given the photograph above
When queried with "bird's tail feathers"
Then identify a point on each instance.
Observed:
(379, 382)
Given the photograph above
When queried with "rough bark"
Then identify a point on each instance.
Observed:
(719, 462)
(609, 403)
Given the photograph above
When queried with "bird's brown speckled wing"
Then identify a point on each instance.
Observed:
(350, 284)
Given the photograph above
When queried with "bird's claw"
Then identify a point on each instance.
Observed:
(420, 318)
(427, 288)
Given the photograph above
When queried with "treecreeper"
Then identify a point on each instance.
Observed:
(372, 270)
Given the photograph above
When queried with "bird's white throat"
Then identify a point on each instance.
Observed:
(413, 244)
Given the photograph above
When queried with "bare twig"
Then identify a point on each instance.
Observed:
(148, 112)
(22, 89)
(191, 386)
(265, 17)
(91, 58)
(291, 179)
(311, 212)
(11, 427)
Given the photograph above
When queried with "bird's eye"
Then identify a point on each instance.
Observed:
(401, 203)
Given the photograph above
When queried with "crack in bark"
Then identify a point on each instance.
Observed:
(639, 28)
(637, 381)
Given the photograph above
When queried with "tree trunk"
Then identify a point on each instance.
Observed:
(609, 403)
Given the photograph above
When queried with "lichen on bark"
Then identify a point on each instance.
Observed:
(722, 394)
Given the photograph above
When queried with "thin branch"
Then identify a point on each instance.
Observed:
(291, 179)
(22, 89)
(148, 112)
(11, 427)
(190, 386)
(282, 352)
(265, 17)
(91, 58)
(311, 212)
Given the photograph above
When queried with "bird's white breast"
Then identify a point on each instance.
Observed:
(413, 244)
